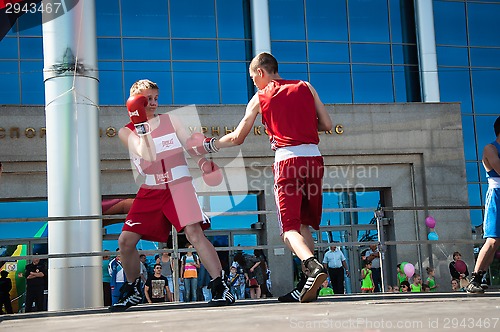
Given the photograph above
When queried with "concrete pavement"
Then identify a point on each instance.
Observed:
(358, 312)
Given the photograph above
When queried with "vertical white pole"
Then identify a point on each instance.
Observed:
(261, 32)
(426, 44)
(73, 169)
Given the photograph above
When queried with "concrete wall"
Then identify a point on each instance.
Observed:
(413, 152)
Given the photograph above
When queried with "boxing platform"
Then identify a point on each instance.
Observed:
(358, 312)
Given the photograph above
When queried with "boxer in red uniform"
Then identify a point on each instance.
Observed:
(166, 197)
(292, 113)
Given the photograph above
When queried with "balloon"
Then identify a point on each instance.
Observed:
(460, 266)
(402, 266)
(409, 270)
(430, 222)
(432, 236)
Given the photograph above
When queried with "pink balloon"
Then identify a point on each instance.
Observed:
(409, 270)
(460, 266)
(430, 222)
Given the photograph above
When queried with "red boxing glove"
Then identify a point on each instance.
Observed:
(136, 106)
(212, 174)
(199, 145)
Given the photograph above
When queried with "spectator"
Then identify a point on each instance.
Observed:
(325, 290)
(143, 274)
(335, 262)
(431, 279)
(233, 281)
(35, 284)
(5, 287)
(167, 270)
(416, 286)
(269, 284)
(156, 286)
(182, 290)
(239, 263)
(189, 270)
(401, 275)
(404, 287)
(366, 278)
(453, 271)
(118, 277)
(203, 282)
(425, 288)
(373, 255)
(106, 279)
(144, 267)
(395, 289)
(455, 285)
(264, 266)
(255, 276)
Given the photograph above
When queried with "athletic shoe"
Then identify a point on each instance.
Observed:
(294, 294)
(130, 294)
(474, 285)
(316, 274)
(221, 295)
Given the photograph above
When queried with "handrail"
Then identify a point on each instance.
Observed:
(234, 248)
(241, 213)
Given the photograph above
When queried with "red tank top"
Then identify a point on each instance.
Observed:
(169, 150)
(289, 113)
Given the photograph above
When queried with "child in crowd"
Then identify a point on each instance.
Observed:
(404, 287)
(395, 289)
(455, 285)
(325, 289)
(431, 279)
(234, 282)
(425, 288)
(401, 275)
(367, 285)
(416, 286)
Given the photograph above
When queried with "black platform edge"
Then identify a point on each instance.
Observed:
(364, 297)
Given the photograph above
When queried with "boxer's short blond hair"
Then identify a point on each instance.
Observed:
(142, 85)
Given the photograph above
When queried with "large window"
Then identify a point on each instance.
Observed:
(468, 49)
(353, 51)
(233, 203)
(197, 51)
(29, 209)
(339, 200)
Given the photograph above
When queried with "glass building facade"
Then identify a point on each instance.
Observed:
(352, 51)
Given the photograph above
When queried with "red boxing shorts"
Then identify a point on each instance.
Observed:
(155, 211)
(298, 191)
